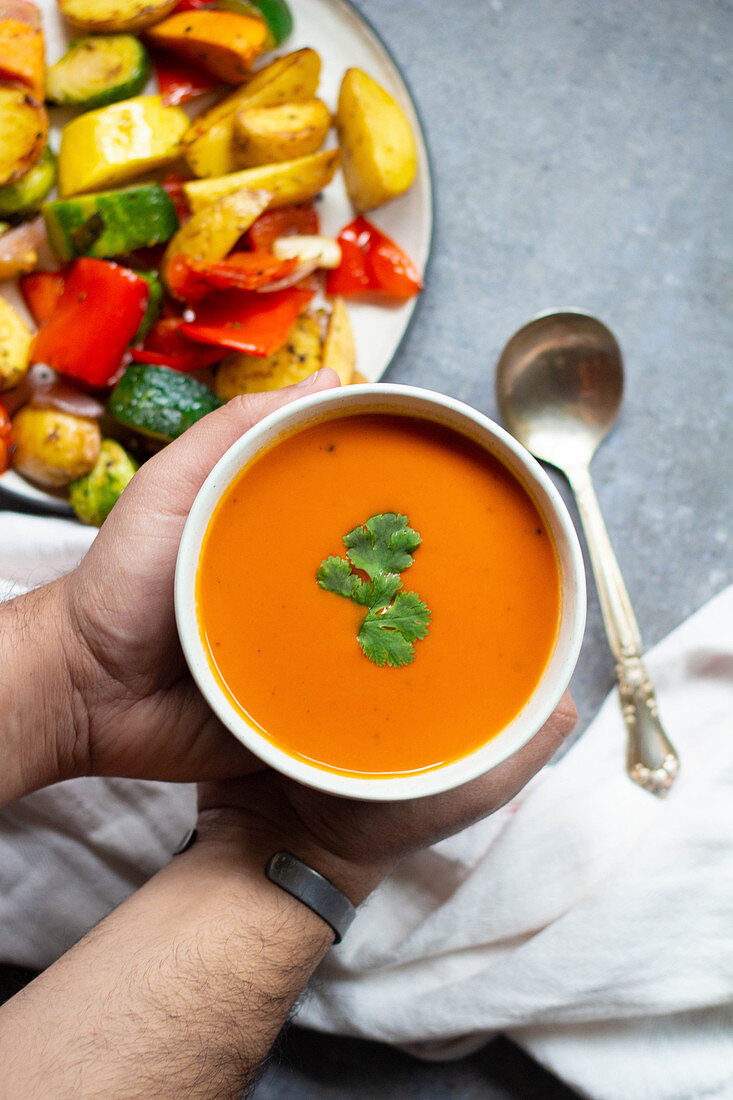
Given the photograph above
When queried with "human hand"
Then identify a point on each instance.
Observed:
(138, 711)
(355, 843)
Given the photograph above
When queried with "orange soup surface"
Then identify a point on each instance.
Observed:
(286, 651)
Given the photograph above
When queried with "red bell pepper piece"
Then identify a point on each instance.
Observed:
(166, 345)
(97, 315)
(286, 221)
(191, 280)
(257, 324)
(173, 184)
(178, 80)
(371, 263)
(41, 291)
(191, 5)
(6, 439)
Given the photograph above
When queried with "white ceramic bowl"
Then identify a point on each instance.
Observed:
(423, 404)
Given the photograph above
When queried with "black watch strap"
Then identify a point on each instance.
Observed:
(302, 882)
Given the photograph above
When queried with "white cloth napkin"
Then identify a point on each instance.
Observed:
(589, 920)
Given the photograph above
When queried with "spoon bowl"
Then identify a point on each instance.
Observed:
(559, 385)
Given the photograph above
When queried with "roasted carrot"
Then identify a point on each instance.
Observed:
(224, 43)
(22, 54)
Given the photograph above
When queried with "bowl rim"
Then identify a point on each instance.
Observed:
(424, 404)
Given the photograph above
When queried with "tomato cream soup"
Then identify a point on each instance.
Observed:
(288, 652)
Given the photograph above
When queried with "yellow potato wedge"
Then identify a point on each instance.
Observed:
(52, 447)
(224, 43)
(291, 181)
(339, 350)
(212, 232)
(208, 142)
(15, 346)
(377, 145)
(298, 358)
(268, 135)
(111, 16)
(23, 131)
(106, 147)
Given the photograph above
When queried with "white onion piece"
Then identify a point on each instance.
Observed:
(21, 10)
(67, 399)
(326, 250)
(44, 389)
(19, 248)
(300, 272)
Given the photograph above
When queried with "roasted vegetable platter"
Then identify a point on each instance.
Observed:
(240, 193)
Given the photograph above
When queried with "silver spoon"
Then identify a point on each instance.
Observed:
(559, 383)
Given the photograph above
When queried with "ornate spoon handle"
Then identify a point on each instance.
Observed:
(651, 760)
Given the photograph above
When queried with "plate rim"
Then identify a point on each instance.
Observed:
(15, 489)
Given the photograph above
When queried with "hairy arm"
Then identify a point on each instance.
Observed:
(42, 713)
(179, 992)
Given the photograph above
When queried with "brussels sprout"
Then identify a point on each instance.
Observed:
(93, 496)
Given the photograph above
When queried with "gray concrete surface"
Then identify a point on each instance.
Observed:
(582, 157)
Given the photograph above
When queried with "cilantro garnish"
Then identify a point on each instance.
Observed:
(382, 548)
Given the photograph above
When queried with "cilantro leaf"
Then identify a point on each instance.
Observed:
(386, 636)
(383, 544)
(384, 646)
(335, 575)
(408, 614)
(382, 548)
(378, 593)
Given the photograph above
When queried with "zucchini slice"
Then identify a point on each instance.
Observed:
(25, 195)
(110, 223)
(160, 402)
(96, 71)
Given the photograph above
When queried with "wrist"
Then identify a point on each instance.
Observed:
(43, 715)
(234, 830)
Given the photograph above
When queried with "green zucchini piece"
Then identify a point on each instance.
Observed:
(25, 195)
(97, 71)
(110, 223)
(93, 496)
(153, 307)
(160, 402)
(275, 13)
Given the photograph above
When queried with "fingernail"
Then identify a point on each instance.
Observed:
(309, 380)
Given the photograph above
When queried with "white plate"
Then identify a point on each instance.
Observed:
(343, 39)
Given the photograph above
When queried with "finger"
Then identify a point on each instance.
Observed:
(184, 465)
(482, 796)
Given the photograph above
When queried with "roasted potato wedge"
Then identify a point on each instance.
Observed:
(52, 447)
(292, 181)
(268, 135)
(208, 142)
(339, 351)
(224, 43)
(298, 358)
(377, 145)
(212, 232)
(15, 346)
(108, 16)
(23, 131)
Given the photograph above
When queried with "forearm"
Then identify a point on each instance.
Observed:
(180, 992)
(40, 712)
